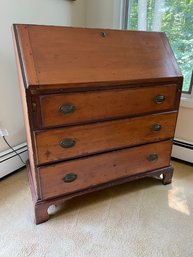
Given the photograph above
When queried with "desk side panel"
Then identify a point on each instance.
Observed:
(27, 118)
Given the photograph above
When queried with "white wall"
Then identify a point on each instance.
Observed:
(103, 13)
(56, 12)
(99, 13)
(184, 129)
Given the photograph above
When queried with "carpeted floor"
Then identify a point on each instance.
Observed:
(138, 219)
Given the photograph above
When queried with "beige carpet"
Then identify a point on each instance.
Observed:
(138, 219)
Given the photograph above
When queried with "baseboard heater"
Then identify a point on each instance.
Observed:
(10, 162)
(182, 150)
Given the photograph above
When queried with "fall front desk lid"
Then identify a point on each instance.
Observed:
(53, 56)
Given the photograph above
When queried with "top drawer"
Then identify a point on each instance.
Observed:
(80, 107)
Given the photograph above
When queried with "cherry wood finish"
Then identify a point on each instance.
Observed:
(99, 169)
(41, 207)
(99, 105)
(103, 136)
(26, 103)
(99, 112)
(55, 55)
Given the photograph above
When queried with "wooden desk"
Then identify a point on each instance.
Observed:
(100, 108)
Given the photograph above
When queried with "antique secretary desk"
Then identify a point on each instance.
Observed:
(100, 108)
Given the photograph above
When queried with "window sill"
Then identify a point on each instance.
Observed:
(186, 101)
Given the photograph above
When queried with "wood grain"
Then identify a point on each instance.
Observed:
(28, 68)
(105, 104)
(112, 81)
(102, 168)
(65, 55)
(41, 206)
(94, 138)
(27, 119)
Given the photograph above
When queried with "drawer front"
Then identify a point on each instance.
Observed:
(75, 175)
(76, 141)
(73, 108)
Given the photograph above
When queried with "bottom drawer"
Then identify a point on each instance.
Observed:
(75, 175)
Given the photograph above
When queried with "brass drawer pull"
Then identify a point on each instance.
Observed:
(67, 108)
(156, 127)
(152, 157)
(67, 143)
(70, 177)
(159, 99)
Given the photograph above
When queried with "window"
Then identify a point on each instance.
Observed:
(173, 17)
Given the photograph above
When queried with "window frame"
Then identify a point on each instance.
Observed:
(187, 97)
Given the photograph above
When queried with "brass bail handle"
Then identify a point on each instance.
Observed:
(156, 127)
(68, 143)
(67, 108)
(70, 177)
(152, 157)
(159, 99)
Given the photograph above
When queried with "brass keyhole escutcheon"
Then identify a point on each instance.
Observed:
(104, 34)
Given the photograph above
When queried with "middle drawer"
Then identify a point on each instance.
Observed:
(76, 141)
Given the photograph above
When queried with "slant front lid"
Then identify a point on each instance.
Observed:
(51, 55)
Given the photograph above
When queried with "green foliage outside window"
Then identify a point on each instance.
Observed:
(177, 22)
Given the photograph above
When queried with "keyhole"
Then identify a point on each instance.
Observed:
(103, 34)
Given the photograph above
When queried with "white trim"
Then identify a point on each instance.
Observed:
(9, 161)
(118, 14)
(187, 100)
(181, 152)
(183, 141)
